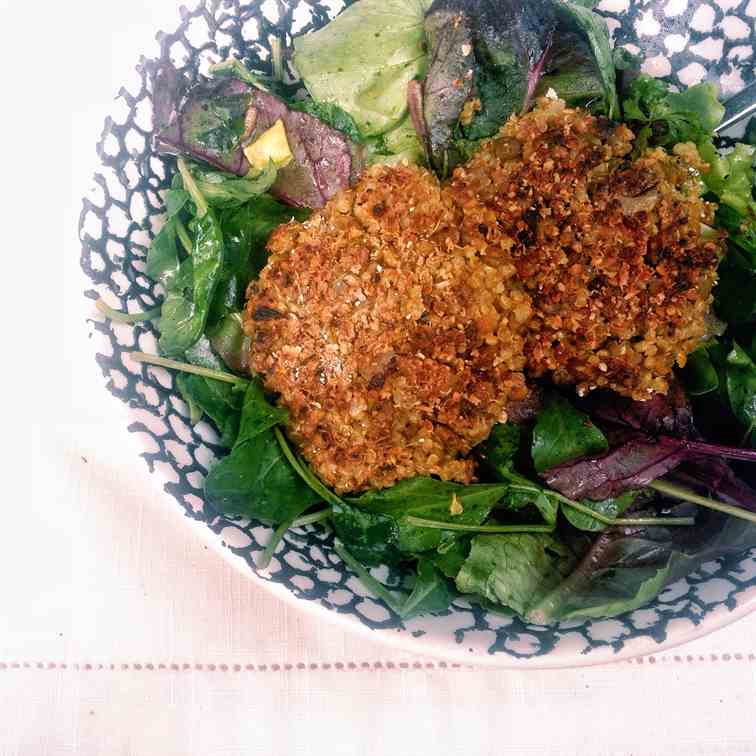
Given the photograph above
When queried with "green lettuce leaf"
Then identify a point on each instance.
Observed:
(364, 59)
(514, 570)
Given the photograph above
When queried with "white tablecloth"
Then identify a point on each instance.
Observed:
(122, 631)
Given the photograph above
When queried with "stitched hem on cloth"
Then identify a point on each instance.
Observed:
(338, 666)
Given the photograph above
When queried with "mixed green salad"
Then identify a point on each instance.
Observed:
(588, 510)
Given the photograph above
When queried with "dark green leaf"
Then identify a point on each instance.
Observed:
(257, 481)
(429, 594)
(699, 375)
(514, 570)
(225, 190)
(450, 557)
(741, 386)
(608, 507)
(591, 31)
(431, 499)
(185, 311)
(162, 259)
(217, 400)
(499, 450)
(258, 415)
(175, 201)
(563, 433)
(369, 536)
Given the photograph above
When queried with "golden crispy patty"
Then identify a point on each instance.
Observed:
(394, 348)
(395, 323)
(613, 253)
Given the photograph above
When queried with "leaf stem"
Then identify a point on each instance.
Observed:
(119, 316)
(439, 525)
(304, 472)
(266, 555)
(310, 519)
(183, 235)
(276, 54)
(191, 186)
(185, 367)
(528, 487)
(685, 494)
(628, 521)
(392, 601)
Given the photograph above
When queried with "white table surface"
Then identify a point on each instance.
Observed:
(122, 631)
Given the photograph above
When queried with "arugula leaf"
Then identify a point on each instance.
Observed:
(563, 433)
(255, 480)
(429, 594)
(514, 570)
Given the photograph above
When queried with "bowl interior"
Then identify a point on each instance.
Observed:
(685, 40)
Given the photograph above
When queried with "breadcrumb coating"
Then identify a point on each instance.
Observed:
(617, 256)
(394, 348)
(398, 323)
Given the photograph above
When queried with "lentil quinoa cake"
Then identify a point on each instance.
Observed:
(394, 348)
(398, 322)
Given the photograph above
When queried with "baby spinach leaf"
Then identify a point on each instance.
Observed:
(175, 200)
(256, 480)
(257, 414)
(429, 594)
(224, 190)
(217, 400)
(699, 375)
(430, 499)
(563, 433)
(514, 570)
(162, 258)
(246, 231)
(370, 537)
(185, 311)
(614, 507)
